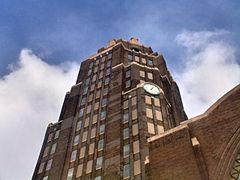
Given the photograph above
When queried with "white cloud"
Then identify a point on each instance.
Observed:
(210, 69)
(30, 97)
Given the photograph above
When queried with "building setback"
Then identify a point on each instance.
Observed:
(124, 119)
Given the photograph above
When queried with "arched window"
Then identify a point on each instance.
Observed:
(235, 173)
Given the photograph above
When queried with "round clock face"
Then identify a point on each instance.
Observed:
(152, 88)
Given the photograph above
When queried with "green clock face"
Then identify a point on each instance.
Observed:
(152, 88)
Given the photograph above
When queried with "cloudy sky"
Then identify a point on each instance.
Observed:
(43, 42)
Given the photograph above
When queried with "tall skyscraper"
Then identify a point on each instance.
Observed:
(124, 94)
(114, 120)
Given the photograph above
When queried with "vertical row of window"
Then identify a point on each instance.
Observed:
(154, 115)
(128, 78)
(144, 60)
(130, 136)
(48, 153)
(88, 143)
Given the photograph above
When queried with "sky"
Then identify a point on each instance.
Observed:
(42, 44)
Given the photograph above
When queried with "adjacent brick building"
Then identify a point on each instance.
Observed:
(124, 119)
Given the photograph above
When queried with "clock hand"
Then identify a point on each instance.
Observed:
(151, 88)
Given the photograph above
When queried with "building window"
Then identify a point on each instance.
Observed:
(150, 128)
(98, 178)
(45, 178)
(103, 58)
(83, 101)
(160, 129)
(135, 129)
(91, 148)
(81, 112)
(136, 58)
(134, 114)
(125, 117)
(105, 90)
(106, 82)
(86, 123)
(40, 170)
(109, 63)
(79, 170)
(49, 164)
(150, 76)
(89, 109)
(99, 163)
(93, 132)
(46, 150)
(90, 98)
(125, 133)
(149, 113)
(102, 67)
(103, 115)
(137, 168)
(85, 90)
(125, 104)
(135, 147)
(94, 78)
(100, 144)
(157, 102)
(89, 72)
(97, 62)
(98, 93)
(94, 120)
(79, 124)
(57, 134)
(150, 62)
(95, 69)
(82, 152)
(158, 115)
(91, 65)
(127, 84)
(70, 174)
(102, 129)
(148, 100)
(128, 73)
(84, 136)
(101, 75)
(130, 57)
(89, 167)
(92, 87)
(50, 136)
(126, 150)
(134, 100)
(143, 60)
(126, 171)
(109, 56)
(108, 71)
(104, 102)
(73, 156)
(96, 106)
(76, 140)
(142, 74)
(87, 81)
(53, 149)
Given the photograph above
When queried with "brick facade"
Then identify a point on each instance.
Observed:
(204, 147)
(110, 127)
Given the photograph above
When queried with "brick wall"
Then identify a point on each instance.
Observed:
(200, 148)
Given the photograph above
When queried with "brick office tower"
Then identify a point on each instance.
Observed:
(124, 94)
(124, 119)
